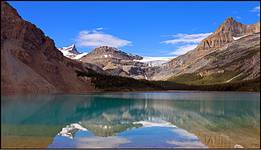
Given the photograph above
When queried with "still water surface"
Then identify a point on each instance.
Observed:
(142, 119)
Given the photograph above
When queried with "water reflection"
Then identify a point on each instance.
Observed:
(217, 119)
(148, 134)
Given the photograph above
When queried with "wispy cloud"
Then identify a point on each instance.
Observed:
(100, 28)
(183, 49)
(256, 9)
(238, 17)
(186, 38)
(96, 37)
(185, 42)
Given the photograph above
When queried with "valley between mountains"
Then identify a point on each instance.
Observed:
(227, 60)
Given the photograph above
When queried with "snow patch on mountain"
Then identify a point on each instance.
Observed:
(106, 56)
(155, 61)
(80, 55)
(237, 38)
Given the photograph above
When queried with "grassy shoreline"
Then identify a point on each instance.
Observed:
(108, 83)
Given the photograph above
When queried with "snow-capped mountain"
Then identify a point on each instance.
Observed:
(71, 52)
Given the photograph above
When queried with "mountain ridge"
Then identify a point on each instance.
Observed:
(225, 32)
(31, 63)
(195, 60)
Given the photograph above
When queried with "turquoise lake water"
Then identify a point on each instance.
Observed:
(135, 119)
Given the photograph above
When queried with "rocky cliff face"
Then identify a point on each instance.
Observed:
(231, 52)
(30, 62)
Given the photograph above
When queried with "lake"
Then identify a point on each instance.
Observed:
(132, 119)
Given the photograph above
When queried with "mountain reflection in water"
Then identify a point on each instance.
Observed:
(148, 134)
(194, 119)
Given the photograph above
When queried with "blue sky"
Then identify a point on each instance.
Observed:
(143, 28)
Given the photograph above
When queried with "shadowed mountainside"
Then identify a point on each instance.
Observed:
(30, 62)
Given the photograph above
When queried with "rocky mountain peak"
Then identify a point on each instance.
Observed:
(71, 52)
(72, 49)
(9, 12)
(228, 25)
(104, 49)
(111, 52)
(233, 27)
(116, 62)
(230, 20)
(227, 32)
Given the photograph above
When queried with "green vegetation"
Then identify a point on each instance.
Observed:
(196, 79)
(219, 78)
(249, 85)
(116, 83)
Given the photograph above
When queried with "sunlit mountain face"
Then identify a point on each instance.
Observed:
(161, 119)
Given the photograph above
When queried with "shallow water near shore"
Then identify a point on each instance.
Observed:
(132, 119)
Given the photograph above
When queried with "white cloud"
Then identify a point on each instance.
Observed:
(185, 42)
(256, 9)
(100, 142)
(184, 49)
(97, 38)
(187, 38)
